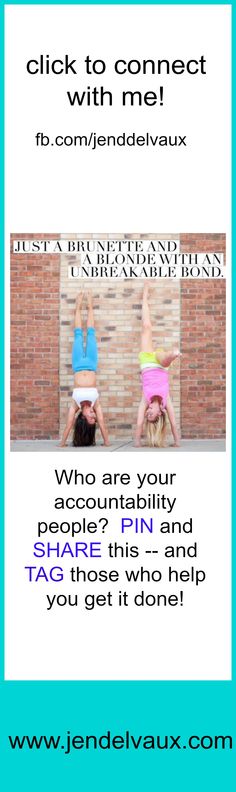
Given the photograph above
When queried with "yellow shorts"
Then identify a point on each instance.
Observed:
(150, 359)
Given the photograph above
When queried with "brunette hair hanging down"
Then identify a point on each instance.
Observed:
(84, 433)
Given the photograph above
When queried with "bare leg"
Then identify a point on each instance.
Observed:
(90, 316)
(166, 358)
(78, 317)
(146, 334)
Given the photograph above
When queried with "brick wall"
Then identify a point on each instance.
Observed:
(34, 345)
(203, 319)
(203, 243)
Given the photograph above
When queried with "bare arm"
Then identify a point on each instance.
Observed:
(171, 416)
(101, 422)
(73, 409)
(140, 421)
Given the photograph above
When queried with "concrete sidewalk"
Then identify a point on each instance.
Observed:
(119, 446)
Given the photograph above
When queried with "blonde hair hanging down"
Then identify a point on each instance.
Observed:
(156, 431)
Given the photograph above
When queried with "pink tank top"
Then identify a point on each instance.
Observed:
(155, 382)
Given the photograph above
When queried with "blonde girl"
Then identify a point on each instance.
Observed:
(155, 404)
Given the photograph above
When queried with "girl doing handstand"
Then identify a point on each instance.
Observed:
(155, 402)
(85, 410)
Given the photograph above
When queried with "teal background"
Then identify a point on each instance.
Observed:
(94, 707)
